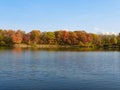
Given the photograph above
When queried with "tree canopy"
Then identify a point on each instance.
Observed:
(61, 37)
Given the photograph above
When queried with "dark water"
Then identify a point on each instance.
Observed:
(59, 70)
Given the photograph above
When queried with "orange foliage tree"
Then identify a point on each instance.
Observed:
(17, 37)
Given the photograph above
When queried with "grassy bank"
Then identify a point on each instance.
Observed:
(63, 46)
(19, 47)
(43, 46)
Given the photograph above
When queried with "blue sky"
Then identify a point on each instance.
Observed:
(50, 15)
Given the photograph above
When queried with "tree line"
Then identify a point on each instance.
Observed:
(61, 37)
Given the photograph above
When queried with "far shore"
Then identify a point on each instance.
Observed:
(62, 46)
(19, 47)
(43, 46)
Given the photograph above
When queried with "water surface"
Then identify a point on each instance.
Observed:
(59, 70)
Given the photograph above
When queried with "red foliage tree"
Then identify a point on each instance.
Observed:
(17, 37)
(26, 38)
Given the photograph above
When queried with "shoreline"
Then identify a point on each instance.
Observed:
(62, 47)
(66, 47)
(43, 46)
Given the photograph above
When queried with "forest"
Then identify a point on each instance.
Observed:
(62, 37)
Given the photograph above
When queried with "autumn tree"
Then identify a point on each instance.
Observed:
(97, 40)
(59, 37)
(1, 38)
(48, 38)
(62, 37)
(35, 36)
(118, 38)
(26, 38)
(113, 40)
(72, 40)
(17, 37)
(84, 38)
(8, 40)
(9, 33)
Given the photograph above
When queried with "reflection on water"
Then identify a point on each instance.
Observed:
(17, 50)
(32, 69)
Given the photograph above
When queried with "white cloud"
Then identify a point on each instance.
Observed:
(102, 31)
(110, 33)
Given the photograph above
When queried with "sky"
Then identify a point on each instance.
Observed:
(94, 16)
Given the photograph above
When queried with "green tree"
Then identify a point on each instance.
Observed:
(8, 41)
(114, 40)
(48, 38)
(118, 39)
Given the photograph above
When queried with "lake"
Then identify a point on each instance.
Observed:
(29, 69)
